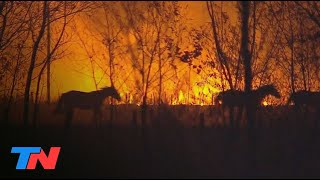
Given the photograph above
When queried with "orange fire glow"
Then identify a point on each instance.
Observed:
(265, 103)
(75, 72)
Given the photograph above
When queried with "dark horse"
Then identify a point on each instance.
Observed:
(84, 100)
(303, 100)
(236, 98)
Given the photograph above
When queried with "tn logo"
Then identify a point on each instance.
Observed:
(29, 157)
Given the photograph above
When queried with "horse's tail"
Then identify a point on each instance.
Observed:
(59, 108)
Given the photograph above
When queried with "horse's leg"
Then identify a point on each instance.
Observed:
(299, 111)
(99, 117)
(218, 113)
(305, 117)
(231, 117)
(69, 116)
(259, 121)
(317, 116)
(95, 117)
(222, 110)
(239, 118)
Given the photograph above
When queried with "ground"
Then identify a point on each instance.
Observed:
(167, 151)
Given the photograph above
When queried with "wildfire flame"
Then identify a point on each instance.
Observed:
(181, 98)
(265, 103)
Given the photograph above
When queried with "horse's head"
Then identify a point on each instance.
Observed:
(111, 91)
(271, 90)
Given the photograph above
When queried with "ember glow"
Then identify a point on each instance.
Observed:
(110, 40)
(265, 103)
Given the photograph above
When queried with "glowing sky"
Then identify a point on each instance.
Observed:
(74, 71)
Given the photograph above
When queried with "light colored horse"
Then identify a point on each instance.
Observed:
(85, 100)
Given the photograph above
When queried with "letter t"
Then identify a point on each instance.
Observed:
(24, 155)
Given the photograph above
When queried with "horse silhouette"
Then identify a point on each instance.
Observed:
(236, 98)
(84, 100)
(305, 98)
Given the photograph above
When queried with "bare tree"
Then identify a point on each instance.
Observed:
(312, 10)
(37, 24)
(141, 26)
(32, 64)
(48, 55)
(224, 60)
(13, 36)
(246, 58)
(48, 60)
(111, 36)
(13, 21)
(297, 32)
(90, 54)
(15, 76)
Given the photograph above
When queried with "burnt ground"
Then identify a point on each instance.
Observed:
(167, 152)
(284, 147)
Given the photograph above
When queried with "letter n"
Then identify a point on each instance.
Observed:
(47, 162)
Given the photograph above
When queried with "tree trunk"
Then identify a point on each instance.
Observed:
(250, 105)
(189, 83)
(111, 112)
(223, 59)
(48, 56)
(304, 77)
(93, 74)
(246, 57)
(36, 102)
(111, 68)
(31, 68)
(144, 111)
(291, 43)
(160, 76)
(16, 69)
(36, 106)
(292, 67)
